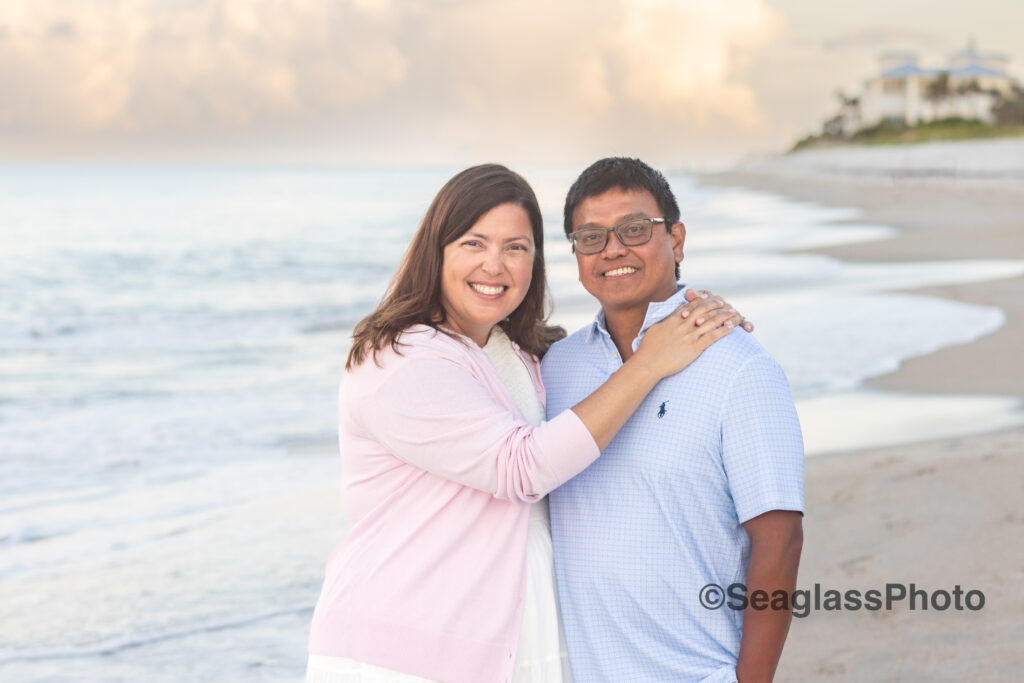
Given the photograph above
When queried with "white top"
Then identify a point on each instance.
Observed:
(541, 656)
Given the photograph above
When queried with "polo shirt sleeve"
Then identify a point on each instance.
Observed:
(762, 447)
(434, 414)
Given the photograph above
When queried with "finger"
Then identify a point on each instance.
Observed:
(684, 310)
(718, 298)
(733, 317)
(701, 308)
(699, 305)
(710, 334)
(747, 325)
(719, 317)
(692, 299)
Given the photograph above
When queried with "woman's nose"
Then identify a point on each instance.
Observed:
(492, 261)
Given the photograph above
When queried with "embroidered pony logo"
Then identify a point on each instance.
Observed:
(662, 411)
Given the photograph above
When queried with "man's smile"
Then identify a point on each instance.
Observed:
(620, 271)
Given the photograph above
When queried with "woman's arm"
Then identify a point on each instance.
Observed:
(667, 347)
(432, 412)
(435, 414)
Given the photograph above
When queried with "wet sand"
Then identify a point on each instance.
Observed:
(938, 513)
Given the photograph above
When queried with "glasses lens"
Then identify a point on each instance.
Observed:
(590, 241)
(635, 232)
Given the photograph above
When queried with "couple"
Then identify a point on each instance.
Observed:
(668, 442)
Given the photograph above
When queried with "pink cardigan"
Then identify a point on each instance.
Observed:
(438, 469)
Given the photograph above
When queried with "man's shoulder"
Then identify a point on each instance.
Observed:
(567, 348)
(740, 367)
(733, 351)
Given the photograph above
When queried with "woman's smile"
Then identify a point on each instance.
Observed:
(489, 291)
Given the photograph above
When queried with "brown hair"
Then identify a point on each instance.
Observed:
(414, 295)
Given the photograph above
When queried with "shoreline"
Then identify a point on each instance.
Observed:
(938, 513)
(937, 220)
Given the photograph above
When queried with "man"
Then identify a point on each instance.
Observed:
(704, 484)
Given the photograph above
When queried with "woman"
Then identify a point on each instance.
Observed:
(445, 449)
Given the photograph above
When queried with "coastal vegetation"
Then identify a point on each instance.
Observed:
(896, 133)
(1008, 112)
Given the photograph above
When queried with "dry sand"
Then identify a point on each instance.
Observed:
(937, 513)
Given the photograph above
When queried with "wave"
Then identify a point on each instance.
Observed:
(114, 645)
(22, 503)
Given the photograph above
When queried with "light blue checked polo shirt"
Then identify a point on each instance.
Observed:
(658, 516)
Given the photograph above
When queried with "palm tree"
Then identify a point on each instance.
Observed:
(939, 87)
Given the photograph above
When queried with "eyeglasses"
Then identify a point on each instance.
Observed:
(632, 233)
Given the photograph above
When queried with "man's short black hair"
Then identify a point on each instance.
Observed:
(626, 174)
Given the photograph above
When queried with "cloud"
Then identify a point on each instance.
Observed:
(133, 66)
(455, 78)
(887, 37)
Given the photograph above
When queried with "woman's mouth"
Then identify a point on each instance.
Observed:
(488, 290)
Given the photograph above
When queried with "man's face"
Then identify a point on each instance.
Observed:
(627, 278)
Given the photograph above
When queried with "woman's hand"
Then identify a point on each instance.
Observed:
(692, 296)
(667, 347)
(675, 342)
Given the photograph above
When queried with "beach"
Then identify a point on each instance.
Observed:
(941, 512)
(168, 397)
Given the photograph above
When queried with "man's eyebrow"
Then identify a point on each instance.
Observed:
(620, 221)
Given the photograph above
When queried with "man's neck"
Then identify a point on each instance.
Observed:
(624, 326)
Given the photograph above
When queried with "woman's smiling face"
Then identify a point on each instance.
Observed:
(487, 271)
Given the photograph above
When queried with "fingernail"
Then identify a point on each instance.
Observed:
(700, 321)
(703, 295)
(728, 323)
(686, 314)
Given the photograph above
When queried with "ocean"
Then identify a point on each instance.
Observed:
(171, 342)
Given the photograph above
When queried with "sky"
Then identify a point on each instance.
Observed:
(687, 82)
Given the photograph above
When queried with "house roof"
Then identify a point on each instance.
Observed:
(908, 70)
(976, 70)
(970, 71)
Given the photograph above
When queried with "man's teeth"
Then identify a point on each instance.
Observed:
(484, 289)
(625, 270)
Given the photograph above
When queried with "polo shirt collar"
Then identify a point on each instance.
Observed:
(656, 312)
(597, 327)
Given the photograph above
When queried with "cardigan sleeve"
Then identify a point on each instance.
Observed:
(434, 414)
